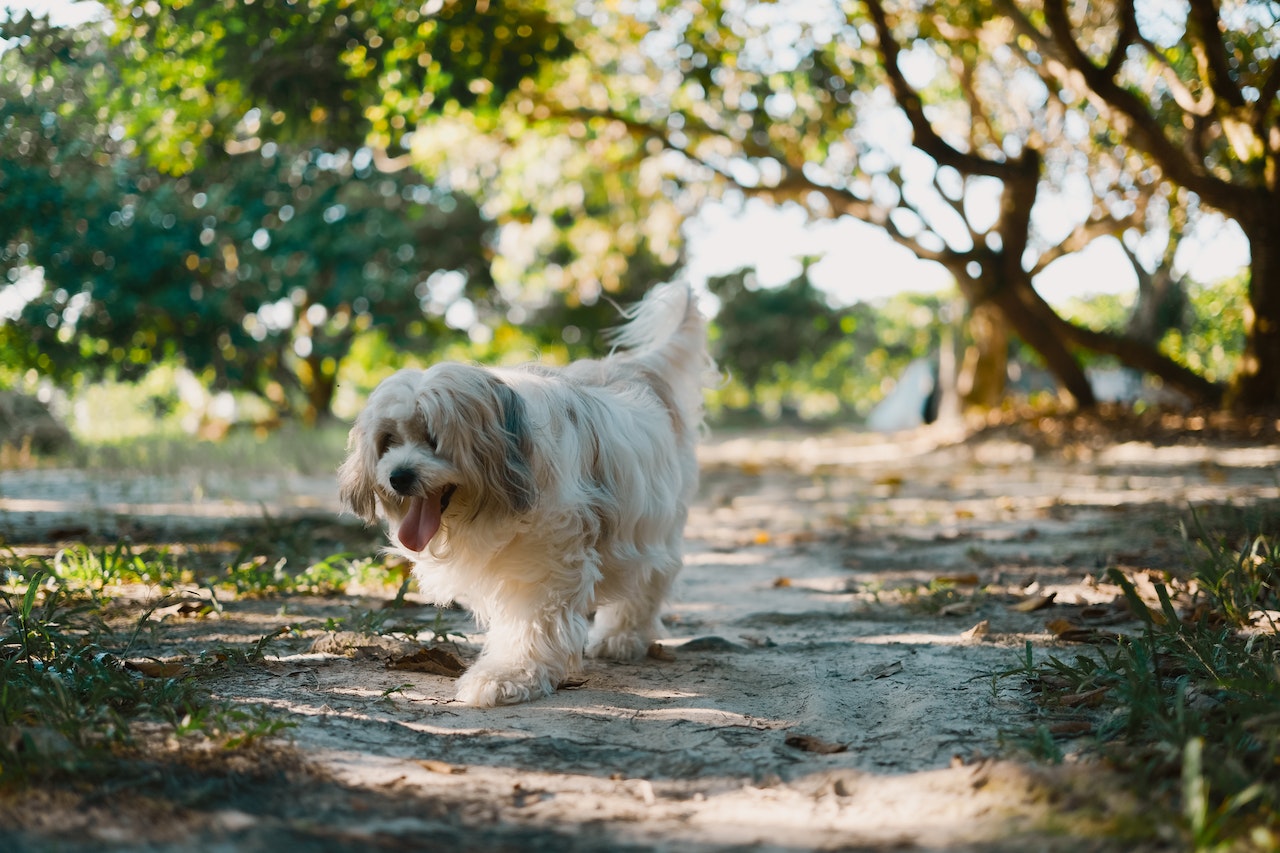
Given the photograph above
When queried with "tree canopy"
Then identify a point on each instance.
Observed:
(991, 138)
(258, 269)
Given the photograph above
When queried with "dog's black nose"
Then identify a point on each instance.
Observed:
(402, 480)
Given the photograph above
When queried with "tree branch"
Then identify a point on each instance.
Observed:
(1129, 113)
(1082, 235)
(925, 137)
(1141, 356)
(1205, 16)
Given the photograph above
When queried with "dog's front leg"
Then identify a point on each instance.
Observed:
(526, 656)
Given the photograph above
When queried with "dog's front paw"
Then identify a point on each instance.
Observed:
(485, 688)
(623, 646)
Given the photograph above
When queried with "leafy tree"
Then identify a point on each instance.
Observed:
(257, 270)
(763, 327)
(793, 107)
(1196, 90)
(786, 348)
(956, 127)
(346, 73)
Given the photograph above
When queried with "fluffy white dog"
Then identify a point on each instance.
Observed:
(534, 495)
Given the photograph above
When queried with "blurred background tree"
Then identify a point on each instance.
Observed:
(257, 269)
(262, 190)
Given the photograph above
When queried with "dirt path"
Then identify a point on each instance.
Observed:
(829, 682)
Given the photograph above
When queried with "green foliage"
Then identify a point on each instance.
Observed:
(70, 707)
(297, 231)
(786, 349)
(1213, 339)
(256, 271)
(578, 323)
(336, 71)
(1188, 706)
(1101, 311)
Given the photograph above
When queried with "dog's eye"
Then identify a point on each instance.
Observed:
(386, 441)
(420, 432)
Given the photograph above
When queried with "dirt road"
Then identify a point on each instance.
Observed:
(831, 679)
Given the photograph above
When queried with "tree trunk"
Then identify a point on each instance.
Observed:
(986, 359)
(1030, 316)
(319, 388)
(1256, 385)
(1161, 302)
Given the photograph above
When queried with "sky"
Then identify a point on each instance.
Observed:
(859, 261)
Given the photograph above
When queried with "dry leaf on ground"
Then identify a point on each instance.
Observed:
(809, 743)
(1032, 603)
(157, 669)
(432, 661)
(657, 651)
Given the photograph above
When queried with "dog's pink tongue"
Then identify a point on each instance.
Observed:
(421, 522)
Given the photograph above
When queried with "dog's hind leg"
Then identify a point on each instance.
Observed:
(627, 624)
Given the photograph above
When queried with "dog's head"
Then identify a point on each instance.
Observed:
(452, 439)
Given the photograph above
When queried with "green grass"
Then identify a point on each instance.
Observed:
(1187, 706)
(79, 697)
(73, 706)
(292, 447)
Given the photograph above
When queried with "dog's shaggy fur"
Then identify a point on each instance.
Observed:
(535, 495)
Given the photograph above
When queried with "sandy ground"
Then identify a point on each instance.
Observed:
(829, 683)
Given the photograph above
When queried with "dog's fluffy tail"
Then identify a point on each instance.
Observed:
(668, 334)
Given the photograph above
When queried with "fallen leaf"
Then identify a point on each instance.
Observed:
(809, 743)
(883, 670)
(978, 631)
(779, 583)
(442, 767)
(758, 641)
(762, 537)
(1070, 727)
(969, 579)
(1100, 613)
(1070, 632)
(571, 683)
(432, 661)
(957, 608)
(1059, 627)
(1033, 603)
(657, 651)
(190, 609)
(157, 669)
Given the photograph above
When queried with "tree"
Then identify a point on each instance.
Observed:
(800, 113)
(763, 327)
(955, 127)
(257, 270)
(1200, 97)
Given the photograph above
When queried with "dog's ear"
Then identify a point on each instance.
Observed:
(356, 474)
(491, 431)
(518, 482)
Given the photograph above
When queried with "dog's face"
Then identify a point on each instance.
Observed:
(436, 448)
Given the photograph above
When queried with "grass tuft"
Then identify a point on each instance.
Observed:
(1188, 705)
(73, 705)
